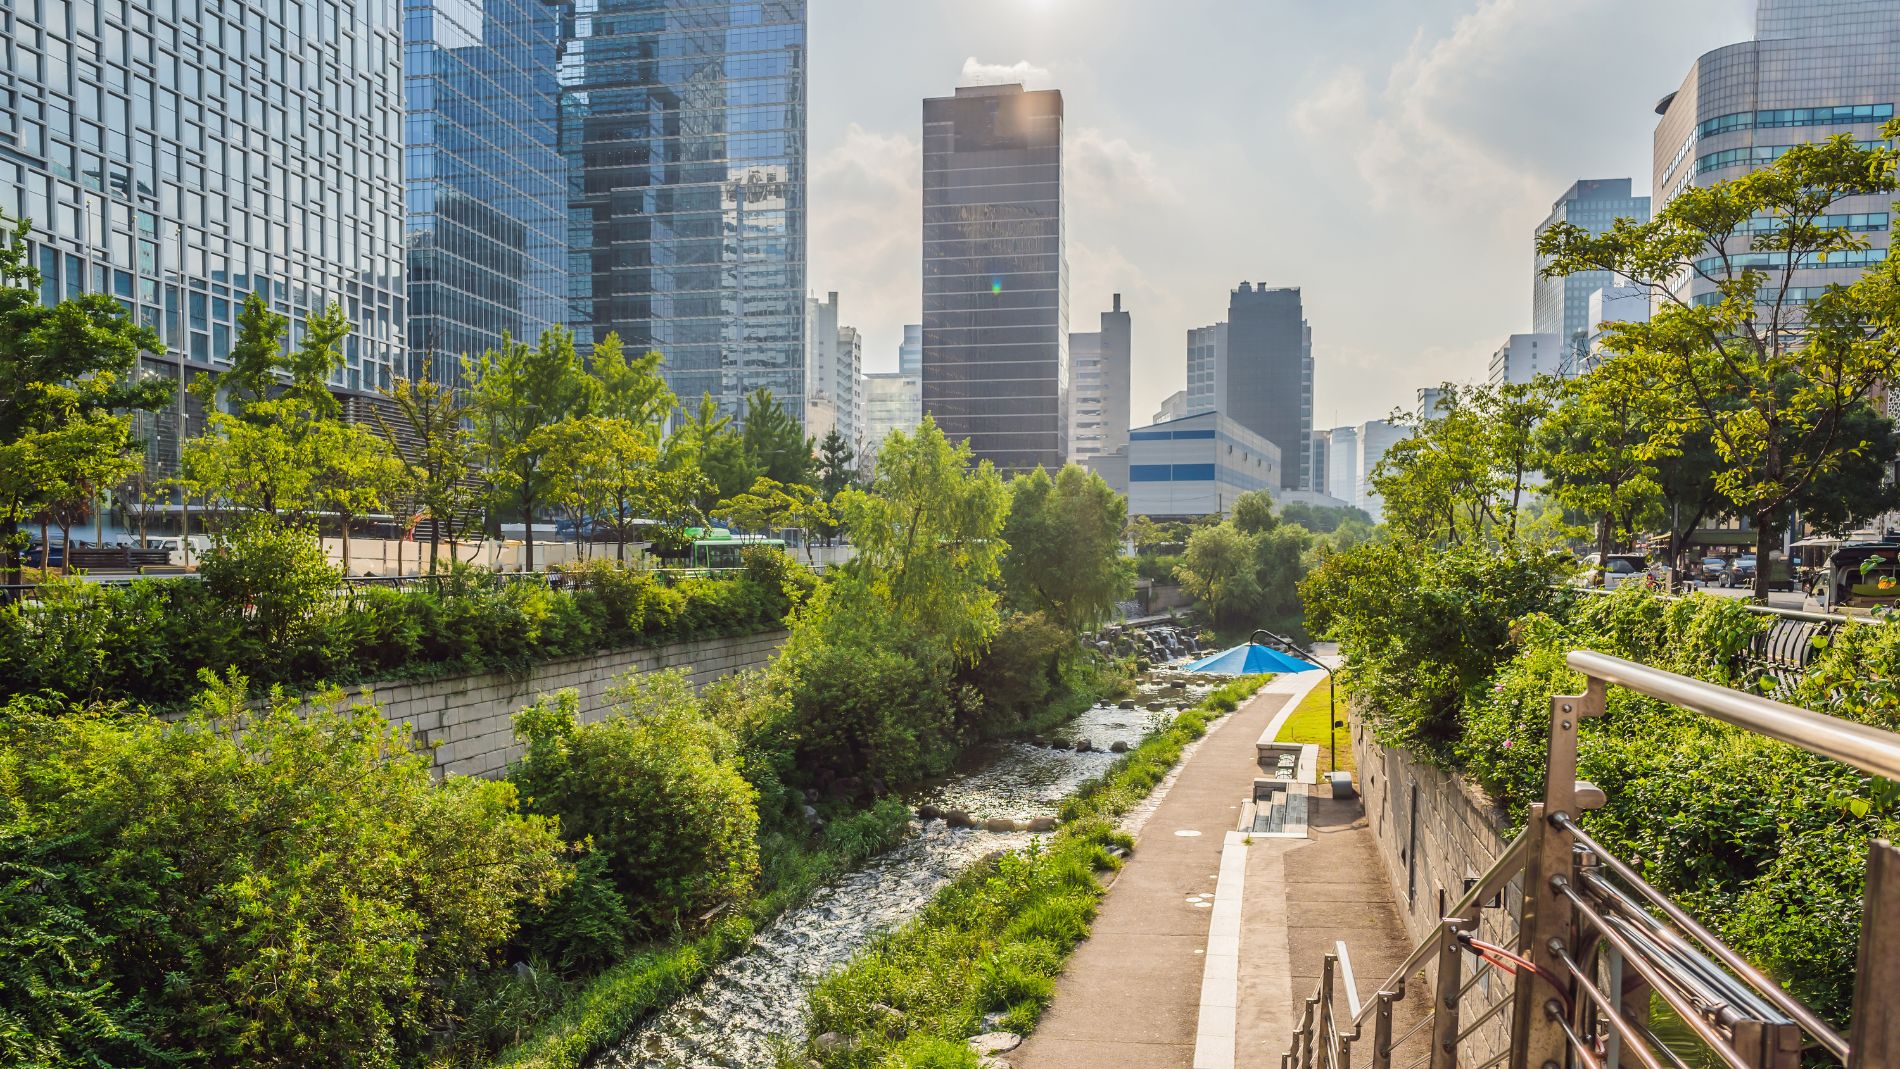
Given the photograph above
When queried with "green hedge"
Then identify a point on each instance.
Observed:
(271, 608)
(995, 939)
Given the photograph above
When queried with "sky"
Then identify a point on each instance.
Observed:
(1389, 157)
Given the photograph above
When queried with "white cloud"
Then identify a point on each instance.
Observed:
(1111, 175)
(977, 72)
(866, 212)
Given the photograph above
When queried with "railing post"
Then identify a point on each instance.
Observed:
(1382, 1032)
(1874, 1042)
(1306, 1033)
(1537, 1040)
(1446, 985)
(1323, 1024)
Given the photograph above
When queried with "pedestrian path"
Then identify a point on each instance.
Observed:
(1149, 983)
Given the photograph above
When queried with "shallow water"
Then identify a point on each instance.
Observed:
(755, 1004)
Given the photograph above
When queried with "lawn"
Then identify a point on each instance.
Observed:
(1308, 724)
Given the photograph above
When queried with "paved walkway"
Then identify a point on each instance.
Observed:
(1132, 995)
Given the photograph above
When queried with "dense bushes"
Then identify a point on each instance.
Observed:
(300, 893)
(1421, 633)
(657, 792)
(995, 939)
(267, 605)
(1763, 841)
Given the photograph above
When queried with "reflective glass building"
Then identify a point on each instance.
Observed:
(996, 316)
(1266, 381)
(483, 180)
(1561, 306)
(683, 129)
(182, 154)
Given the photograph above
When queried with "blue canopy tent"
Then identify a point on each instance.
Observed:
(1256, 657)
(1250, 659)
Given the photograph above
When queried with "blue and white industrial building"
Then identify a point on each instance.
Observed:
(1196, 466)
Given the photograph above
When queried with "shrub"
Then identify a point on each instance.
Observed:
(300, 892)
(657, 790)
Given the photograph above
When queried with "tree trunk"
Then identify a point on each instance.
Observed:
(346, 546)
(435, 541)
(1603, 550)
(527, 527)
(1764, 541)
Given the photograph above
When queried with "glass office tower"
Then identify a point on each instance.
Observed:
(1266, 382)
(486, 237)
(996, 316)
(683, 128)
(180, 155)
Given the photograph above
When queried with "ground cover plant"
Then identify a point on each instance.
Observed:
(994, 940)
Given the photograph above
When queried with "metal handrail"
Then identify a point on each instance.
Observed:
(1867, 748)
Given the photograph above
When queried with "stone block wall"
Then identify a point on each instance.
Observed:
(1434, 832)
(468, 719)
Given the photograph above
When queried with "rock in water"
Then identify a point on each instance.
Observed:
(957, 818)
(1083, 746)
(831, 1043)
(928, 812)
(1118, 746)
(1000, 825)
(1041, 825)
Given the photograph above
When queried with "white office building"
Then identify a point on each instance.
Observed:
(1524, 357)
(1197, 466)
(834, 364)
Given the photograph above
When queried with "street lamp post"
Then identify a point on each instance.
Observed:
(1306, 654)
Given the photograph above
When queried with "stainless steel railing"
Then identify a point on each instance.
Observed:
(1598, 949)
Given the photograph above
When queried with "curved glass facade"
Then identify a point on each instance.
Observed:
(682, 123)
(486, 232)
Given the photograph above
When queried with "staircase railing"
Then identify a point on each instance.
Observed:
(1599, 951)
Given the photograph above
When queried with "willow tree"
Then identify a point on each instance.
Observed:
(1772, 369)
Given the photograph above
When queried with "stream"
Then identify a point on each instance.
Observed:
(753, 1006)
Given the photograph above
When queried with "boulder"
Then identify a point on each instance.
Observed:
(928, 812)
(1127, 703)
(1083, 746)
(1118, 746)
(1001, 824)
(957, 818)
(993, 1043)
(832, 1043)
(1041, 825)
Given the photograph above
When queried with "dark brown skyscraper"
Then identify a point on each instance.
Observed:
(996, 317)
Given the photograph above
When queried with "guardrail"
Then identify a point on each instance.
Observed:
(1596, 942)
(1783, 650)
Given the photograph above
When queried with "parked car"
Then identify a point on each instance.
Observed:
(1742, 573)
(1711, 569)
(1859, 577)
(1616, 569)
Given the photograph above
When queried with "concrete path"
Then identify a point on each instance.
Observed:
(1132, 996)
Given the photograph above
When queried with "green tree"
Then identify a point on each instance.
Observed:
(773, 505)
(602, 470)
(514, 392)
(1599, 449)
(1065, 548)
(835, 460)
(775, 443)
(356, 473)
(74, 361)
(257, 355)
(630, 388)
(1253, 512)
(1321, 519)
(929, 538)
(1768, 369)
(79, 460)
(1219, 570)
(706, 441)
(429, 433)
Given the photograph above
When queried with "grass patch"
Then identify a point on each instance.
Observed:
(1309, 724)
(995, 939)
(604, 1010)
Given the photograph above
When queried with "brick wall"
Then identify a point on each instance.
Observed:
(469, 718)
(1434, 832)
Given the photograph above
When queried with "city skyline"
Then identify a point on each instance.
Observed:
(1363, 98)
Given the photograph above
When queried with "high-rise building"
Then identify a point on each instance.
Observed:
(1206, 365)
(683, 127)
(485, 193)
(910, 354)
(1322, 442)
(995, 293)
(1523, 357)
(1560, 306)
(180, 156)
(1816, 68)
(1342, 464)
(1431, 402)
(834, 364)
(1100, 368)
(893, 401)
(1174, 406)
(1267, 384)
(1375, 439)
(1612, 304)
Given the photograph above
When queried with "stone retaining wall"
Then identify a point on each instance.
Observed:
(469, 718)
(1434, 832)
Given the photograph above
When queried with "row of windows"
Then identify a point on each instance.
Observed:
(1170, 473)
(1786, 117)
(1713, 265)
(1162, 436)
(1858, 222)
(1793, 295)
(1756, 156)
